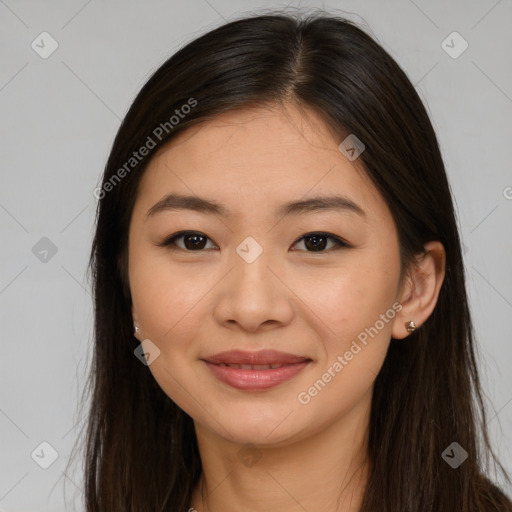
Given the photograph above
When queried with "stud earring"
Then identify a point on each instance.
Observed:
(137, 328)
(410, 326)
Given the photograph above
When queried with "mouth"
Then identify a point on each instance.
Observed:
(255, 370)
(255, 366)
(260, 358)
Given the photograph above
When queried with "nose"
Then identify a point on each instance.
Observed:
(253, 296)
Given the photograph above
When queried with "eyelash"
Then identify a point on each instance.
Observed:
(169, 241)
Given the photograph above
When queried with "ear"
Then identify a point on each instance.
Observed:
(420, 291)
(136, 323)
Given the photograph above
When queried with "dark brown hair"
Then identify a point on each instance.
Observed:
(141, 451)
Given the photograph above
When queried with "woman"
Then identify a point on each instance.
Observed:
(281, 318)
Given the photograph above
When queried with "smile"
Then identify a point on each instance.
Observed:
(255, 377)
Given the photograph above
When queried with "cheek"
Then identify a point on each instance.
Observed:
(164, 294)
(354, 321)
(352, 297)
(164, 297)
(354, 314)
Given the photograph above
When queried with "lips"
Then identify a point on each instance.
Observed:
(261, 360)
(255, 371)
(254, 366)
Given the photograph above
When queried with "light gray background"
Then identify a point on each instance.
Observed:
(58, 118)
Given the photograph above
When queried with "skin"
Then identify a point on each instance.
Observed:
(193, 304)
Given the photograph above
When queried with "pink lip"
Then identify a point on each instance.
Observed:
(260, 357)
(255, 379)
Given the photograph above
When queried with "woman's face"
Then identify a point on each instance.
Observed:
(249, 281)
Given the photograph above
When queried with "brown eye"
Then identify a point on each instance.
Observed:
(192, 241)
(317, 242)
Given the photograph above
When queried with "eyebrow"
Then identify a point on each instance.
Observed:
(175, 202)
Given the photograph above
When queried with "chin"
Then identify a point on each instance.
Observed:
(274, 430)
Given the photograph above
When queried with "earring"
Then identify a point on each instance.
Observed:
(410, 326)
(137, 328)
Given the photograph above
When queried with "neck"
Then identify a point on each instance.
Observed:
(325, 471)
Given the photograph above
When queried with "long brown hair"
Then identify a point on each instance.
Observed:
(141, 451)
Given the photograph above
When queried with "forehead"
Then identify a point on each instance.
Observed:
(262, 133)
(254, 157)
